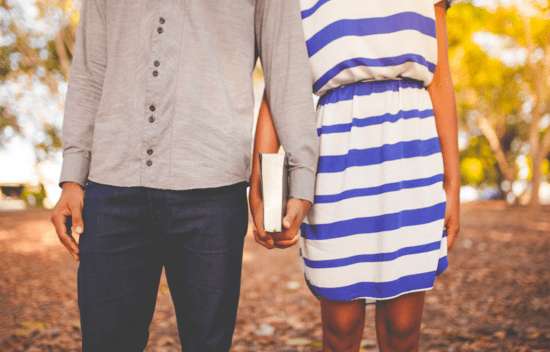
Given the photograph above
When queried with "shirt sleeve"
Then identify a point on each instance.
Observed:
(84, 92)
(281, 46)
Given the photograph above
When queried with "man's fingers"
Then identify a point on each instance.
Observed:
(71, 246)
(296, 211)
(290, 218)
(291, 223)
(58, 220)
(76, 216)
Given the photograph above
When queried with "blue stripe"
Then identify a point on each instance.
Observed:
(308, 12)
(370, 26)
(376, 190)
(378, 155)
(370, 258)
(349, 91)
(374, 224)
(379, 62)
(375, 120)
(377, 290)
(442, 265)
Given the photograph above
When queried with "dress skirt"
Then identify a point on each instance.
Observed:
(376, 229)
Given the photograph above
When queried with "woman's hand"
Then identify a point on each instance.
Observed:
(452, 215)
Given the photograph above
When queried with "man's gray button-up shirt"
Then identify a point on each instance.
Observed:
(175, 77)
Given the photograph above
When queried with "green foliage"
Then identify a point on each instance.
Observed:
(499, 59)
(478, 165)
(472, 170)
(34, 196)
(33, 54)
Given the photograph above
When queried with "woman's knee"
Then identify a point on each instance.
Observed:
(403, 327)
(343, 325)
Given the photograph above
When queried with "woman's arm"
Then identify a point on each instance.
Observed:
(265, 141)
(443, 100)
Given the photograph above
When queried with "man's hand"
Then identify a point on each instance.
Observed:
(69, 206)
(257, 210)
(296, 211)
(452, 217)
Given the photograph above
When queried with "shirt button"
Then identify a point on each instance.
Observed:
(160, 30)
(162, 20)
(155, 73)
(151, 119)
(152, 107)
(156, 63)
(150, 151)
(149, 163)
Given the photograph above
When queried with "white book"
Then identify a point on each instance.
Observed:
(274, 178)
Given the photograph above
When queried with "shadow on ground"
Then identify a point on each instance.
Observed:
(494, 297)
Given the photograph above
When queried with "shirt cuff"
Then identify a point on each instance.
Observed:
(75, 168)
(302, 184)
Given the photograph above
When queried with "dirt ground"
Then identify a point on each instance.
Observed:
(494, 297)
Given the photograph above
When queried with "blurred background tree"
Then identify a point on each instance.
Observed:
(500, 55)
(35, 52)
(501, 61)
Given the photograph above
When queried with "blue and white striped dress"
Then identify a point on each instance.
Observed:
(376, 229)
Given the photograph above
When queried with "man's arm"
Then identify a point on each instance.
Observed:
(83, 98)
(281, 47)
(282, 50)
(84, 92)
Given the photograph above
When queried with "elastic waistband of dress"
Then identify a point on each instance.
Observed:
(348, 91)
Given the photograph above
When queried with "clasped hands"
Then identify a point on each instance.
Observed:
(296, 210)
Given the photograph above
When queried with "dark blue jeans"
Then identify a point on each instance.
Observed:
(131, 234)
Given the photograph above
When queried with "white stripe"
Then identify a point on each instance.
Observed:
(375, 175)
(374, 271)
(307, 4)
(336, 10)
(358, 73)
(378, 135)
(386, 203)
(375, 104)
(443, 252)
(381, 242)
(380, 46)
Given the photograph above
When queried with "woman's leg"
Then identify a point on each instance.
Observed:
(343, 324)
(398, 322)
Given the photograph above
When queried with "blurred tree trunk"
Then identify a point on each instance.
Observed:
(507, 170)
(538, 155)
(538, 87)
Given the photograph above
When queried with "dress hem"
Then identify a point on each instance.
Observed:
(373, 300)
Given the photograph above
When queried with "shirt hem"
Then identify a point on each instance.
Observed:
(174, 186)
